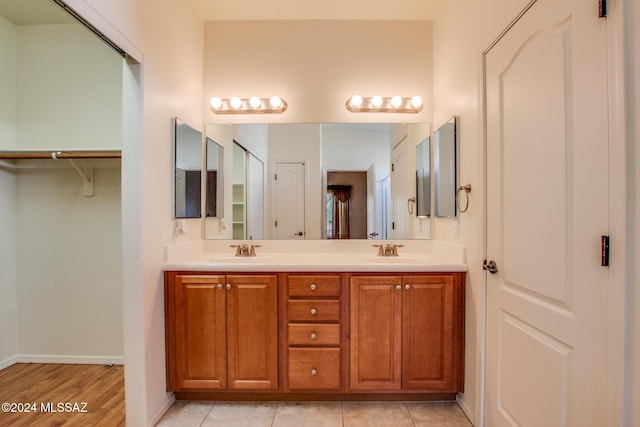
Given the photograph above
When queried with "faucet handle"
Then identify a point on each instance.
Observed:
(252, 250)
(381, 249)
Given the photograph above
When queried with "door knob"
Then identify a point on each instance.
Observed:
(299, 233)
(490, 266)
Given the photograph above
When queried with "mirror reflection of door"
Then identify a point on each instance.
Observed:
(347, 205)
(290, 201)
(399, 191)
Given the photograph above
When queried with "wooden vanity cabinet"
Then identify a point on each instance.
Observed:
(322, 336)
(221, 331)
(407, 332)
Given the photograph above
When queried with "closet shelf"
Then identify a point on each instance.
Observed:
(85, 173)
(23, 155)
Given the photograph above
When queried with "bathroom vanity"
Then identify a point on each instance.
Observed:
(339, 324)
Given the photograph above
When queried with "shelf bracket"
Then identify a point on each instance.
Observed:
(87, 178)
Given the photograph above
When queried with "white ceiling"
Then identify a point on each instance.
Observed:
(231, 10)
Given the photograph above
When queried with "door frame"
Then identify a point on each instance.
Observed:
(323, 194)
(621, 279)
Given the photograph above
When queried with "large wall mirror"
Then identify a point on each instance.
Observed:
(323, 181)
(188, 170)
(445, 170)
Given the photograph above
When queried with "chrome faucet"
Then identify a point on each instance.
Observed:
(245, 249)
(390, 249)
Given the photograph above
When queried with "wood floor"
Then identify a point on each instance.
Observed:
(62, 395)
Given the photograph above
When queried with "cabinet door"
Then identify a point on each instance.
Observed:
(252, 316)
(428, 333)
(376, 316)
(200, 332)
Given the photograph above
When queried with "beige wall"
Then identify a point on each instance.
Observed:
(462, 32)
(167, 38)
(69, 265)
(317, 65)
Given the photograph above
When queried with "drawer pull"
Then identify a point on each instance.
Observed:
(314, 336)
(313, 287)
(314, 311)
(228, 285)
(407, 286)
(398, 287)
(314, 372)
(219, 286)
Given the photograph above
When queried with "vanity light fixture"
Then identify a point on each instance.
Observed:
(252, 105)
(380, 104)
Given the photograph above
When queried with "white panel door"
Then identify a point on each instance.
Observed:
(547, 206)
(290, 201)
(399, 194)
(255, 198)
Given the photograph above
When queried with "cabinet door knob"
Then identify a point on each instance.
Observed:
(407, 286)
(314, 372)
(313, 287)
(314, 336)
(219, 286)
(398, 287)
(314, 311)
(228, 285)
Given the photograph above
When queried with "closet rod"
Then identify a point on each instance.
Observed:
(23, 155)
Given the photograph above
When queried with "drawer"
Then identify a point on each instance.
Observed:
(314, 334)
(313, 310)
(314, 369)
(314, 285)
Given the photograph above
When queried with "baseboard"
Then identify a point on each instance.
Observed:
(168, 401)
(467, 411)
(8, 362)
(79, 360)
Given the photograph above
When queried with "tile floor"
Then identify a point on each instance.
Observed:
(314, 414)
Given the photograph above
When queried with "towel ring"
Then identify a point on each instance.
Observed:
(467, 190)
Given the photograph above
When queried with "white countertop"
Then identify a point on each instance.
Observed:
(316, 256)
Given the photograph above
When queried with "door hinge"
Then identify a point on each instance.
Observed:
(393, 225)
(276, 223)
(602, 8)
(393, 167)
(604, 251)
(275, 177)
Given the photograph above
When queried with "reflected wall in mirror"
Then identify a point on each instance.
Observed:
(445, 147)
(328, 155)
(188, 170)
(215, 179)
(423, 179)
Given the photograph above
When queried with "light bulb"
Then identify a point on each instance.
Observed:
(275, 101)
(416, 101)
(255, 102)
(376, 101)
(216, 102)
(235, 102)
(396, 101)
(356, 101)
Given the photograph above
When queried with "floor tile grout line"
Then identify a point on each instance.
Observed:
(275, 413)
(208, 412)
(406, 405)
